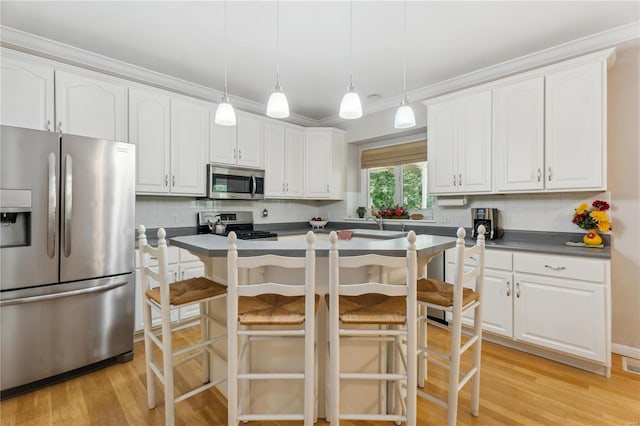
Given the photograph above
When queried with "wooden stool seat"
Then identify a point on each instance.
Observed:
(272, 309)
(189, 290)
(440, 293)
(372, 308)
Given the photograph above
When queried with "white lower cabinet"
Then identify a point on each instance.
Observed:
(182, 265)
(555, 302)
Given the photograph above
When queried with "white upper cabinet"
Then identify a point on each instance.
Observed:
(324, 163)
(149, 130)
(240, 145)
(189, 146)
(518, 113)
(89, 106)
(283, 161)
(171, 136)
(250, 140)
(459, 144)
(575, 153)
(27, 94)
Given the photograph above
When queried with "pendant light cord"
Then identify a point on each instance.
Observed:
(404, 51)
(278, 43)
(225, 49)
(351, 43)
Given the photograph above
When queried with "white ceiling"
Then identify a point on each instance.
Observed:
(444, 40)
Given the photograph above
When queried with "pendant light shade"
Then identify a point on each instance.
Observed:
(405, 118)
(225, 114)
(277, 106)
(350, 107)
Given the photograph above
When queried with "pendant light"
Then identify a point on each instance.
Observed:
(350, 107)
(278, 107)
(405, 117)
(225, 115)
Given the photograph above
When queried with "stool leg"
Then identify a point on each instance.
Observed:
(148, 351)
(204, 336)
(167, 370)
(454, 368)
(477, 353)
(422, 342)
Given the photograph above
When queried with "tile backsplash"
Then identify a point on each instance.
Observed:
(532, 212)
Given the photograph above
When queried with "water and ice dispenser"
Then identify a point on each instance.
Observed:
(15, 217)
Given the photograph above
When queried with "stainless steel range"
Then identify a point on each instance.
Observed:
(239, 222)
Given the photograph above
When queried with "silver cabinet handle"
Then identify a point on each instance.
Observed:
(51, 224)
(287, 187)
(175, 276)
(254, 185)
(235, 154)
(166, 180)
(460, 179)
(48, 127)
(328, 190)
(239, 154)
(539, 174)
(555, 268)
(517, 289)
(282, 186)
(182, 275)
(549, 173)
(60, 127)
(173, 180)
(454, 179)
(508, 289)
(68, 204)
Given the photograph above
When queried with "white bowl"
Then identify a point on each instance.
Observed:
(318, 223)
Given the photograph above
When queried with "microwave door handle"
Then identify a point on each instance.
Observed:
(52, 205)
(253, 185)
(68, 204)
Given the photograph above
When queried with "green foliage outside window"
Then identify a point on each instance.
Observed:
(382, 187)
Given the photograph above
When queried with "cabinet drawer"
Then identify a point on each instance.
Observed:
(561, 266)
(494, 259)
(172, 256)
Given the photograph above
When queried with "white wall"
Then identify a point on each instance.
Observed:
(624, 183)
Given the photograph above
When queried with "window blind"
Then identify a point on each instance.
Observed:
(394, 155)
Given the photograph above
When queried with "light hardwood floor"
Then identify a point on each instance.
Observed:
(516, 389)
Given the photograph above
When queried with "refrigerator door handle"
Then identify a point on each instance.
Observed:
(68, 204)
(51, 222)
(44, 297)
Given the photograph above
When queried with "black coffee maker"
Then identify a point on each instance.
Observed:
(488, 218)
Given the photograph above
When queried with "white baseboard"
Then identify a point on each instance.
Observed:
(625, 350)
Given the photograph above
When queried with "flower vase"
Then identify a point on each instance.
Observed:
(592, 238)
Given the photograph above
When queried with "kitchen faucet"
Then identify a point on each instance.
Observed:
(379, 222)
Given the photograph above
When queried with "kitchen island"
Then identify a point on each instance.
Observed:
(358, 356)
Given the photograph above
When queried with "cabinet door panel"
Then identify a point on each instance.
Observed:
(27, 94)
(318, 164)
(223, 144)
(149, 130)
(474, 143)
(294, 160)
(189, 144)
(519, 135)
(567, 316)
(90, 107)
(274, 153)
(574, 153)
(442, 148)
(250, 141)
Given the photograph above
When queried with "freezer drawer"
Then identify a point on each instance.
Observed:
(54, 329)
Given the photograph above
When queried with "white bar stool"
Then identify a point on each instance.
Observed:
(455, 300)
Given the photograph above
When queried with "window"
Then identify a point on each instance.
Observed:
(405, 185)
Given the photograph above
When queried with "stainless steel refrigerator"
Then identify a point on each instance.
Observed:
(66, 255)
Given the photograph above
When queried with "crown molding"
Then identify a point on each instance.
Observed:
(14, 39)
(602, 40)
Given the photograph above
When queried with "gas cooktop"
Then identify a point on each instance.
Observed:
(239, 222)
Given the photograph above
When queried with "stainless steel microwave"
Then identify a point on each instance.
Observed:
(234, 183)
